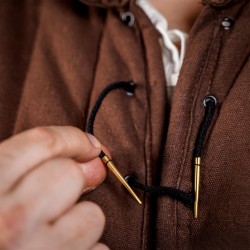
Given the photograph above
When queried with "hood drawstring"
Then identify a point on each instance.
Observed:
(188, 199)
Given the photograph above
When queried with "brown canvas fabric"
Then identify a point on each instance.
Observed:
(57, 56)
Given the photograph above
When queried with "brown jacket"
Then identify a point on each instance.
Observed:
(56, 56)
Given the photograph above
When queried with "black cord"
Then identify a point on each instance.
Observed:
(129, 87)
(186, 198)
(210, 104)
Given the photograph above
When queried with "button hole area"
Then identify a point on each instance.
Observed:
(130, 88)
(130, 179)
(227, 23)
(209, 99)
(128, 18)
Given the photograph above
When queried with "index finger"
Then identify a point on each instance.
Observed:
(25, 151)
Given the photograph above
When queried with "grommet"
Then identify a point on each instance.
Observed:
(130, 178)
(128, 18)
(227, 23)
(130, 89)
(209, 98)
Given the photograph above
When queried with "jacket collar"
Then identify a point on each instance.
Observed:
(120, 3)
(106, 3)
(218, 3)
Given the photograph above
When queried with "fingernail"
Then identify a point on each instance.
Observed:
(94, 141)
(88, 190)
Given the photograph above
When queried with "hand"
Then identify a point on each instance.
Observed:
(42, 173)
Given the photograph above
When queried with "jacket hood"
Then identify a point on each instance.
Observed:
(120, 3)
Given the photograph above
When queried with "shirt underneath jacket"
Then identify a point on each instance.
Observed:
(56, 57)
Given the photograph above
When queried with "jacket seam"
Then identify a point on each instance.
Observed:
(194, 97)
(13, 129)
(94, 71)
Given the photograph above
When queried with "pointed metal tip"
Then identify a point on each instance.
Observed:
(108, 162)
(138, 200)
(196, 213)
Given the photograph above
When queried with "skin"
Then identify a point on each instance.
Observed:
(43, 171)
(181, 14)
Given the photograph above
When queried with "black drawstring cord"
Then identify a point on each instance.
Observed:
(188, 199)
(129, 87)
(210, 103)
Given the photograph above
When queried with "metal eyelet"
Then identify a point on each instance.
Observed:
(129, 178)
(227, 23)
(209, 98)
(128, 18)
(131, 90)
(129, 93)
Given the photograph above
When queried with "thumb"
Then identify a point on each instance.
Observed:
(94, 172)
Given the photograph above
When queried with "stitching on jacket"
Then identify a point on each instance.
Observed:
(188, 130)
(194, 97)
(148, 124)
(202, 74)
(148, 127)
(223, 35)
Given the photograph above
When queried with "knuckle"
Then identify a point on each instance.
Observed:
(46, 136)
(40, 133)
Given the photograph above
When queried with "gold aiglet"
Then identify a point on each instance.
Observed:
(197, 165)
(108, 162)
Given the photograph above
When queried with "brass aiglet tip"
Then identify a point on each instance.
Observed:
(197, 165)
(108, 162)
